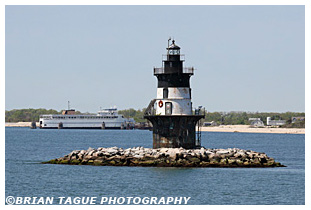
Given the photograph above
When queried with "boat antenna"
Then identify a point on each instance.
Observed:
(68, 105)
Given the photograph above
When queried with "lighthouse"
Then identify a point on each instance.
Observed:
(171, 114)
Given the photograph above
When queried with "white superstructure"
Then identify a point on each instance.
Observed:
(173, 101)
(105, 119)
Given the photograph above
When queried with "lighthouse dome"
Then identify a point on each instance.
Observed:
(173, 45)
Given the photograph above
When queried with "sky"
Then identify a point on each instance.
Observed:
(246, 58)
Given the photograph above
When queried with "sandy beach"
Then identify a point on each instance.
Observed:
(19, 124)
(248, 129)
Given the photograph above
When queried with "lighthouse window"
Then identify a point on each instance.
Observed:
(165, 93)
(174, 52)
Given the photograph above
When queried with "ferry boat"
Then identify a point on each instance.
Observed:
(104, 119)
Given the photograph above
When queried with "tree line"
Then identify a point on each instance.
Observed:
(242, 118)
(28, 115)
(221, 118)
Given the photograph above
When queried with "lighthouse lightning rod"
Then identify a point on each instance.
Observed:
(168, 41)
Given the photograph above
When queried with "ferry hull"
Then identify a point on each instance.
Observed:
(105, 119)
(106, 128)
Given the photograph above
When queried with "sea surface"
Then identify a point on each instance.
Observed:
(26, 148)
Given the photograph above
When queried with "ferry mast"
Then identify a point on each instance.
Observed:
(171, 112)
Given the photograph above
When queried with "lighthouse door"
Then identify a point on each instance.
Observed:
(168, 108)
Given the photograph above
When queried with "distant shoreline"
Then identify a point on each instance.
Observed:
(221, 128)
(248, 129)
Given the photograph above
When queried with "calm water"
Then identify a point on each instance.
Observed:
(25, 176)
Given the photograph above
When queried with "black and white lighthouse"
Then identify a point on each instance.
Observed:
(171, 112)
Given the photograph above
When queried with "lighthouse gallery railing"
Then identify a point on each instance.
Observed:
(186, 70)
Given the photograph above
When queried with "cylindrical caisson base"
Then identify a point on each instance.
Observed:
(174, 131)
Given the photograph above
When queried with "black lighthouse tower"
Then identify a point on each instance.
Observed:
(171, 112)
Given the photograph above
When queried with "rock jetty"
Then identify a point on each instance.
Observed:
(167, 157)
